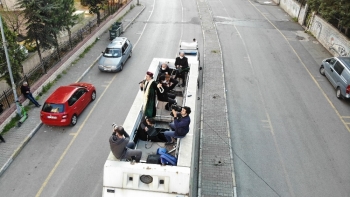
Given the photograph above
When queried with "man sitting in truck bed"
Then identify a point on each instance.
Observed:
(121, 147)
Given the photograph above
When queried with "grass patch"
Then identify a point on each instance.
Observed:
(84, 52)
(215, 51)
(295, 19)
(26, 108)
(121, 18)
(11, 124)
(64, 72)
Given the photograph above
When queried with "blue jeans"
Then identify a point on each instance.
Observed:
(131, 152)
(32, 99)
(172, 125)
(169, 134)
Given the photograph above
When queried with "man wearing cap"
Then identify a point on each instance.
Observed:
(149, 87)
(122, 147)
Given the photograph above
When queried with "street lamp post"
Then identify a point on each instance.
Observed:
(9, 68)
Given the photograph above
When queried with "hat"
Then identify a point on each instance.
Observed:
(149, 74)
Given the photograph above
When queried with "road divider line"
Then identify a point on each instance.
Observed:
(144, 27)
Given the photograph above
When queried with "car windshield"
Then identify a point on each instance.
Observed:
(112, 52)
(53, 108)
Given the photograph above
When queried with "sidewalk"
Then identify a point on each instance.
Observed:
(17, 138)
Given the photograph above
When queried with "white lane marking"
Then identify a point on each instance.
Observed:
(143, 30)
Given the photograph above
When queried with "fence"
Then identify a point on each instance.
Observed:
(48, 62)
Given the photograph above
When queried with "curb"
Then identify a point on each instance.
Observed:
(134, 18)
(19, 149)
(38, 126)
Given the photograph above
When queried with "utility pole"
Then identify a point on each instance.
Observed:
(4, 43)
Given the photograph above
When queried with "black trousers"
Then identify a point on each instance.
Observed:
(1, 138)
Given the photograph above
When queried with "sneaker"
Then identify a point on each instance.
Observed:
(38, 105)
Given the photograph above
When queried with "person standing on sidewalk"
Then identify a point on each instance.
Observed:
(25, 89)
(2, 139)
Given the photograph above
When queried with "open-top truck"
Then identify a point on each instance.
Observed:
(127, 178)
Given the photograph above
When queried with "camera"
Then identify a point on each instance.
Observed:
(114, 125)
(176, 107)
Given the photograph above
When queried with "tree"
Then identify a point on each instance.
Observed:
(16, 56)
(70, 20)
(38, 14)
(95, 6)
(14, 20)
(337, 12)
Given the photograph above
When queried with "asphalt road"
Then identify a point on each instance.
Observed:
(69, 161)
(288, 130)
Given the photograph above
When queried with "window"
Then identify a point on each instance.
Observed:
(76, 96)
(53, 108)
(112, 52)
(331, 61)
(338, 67)
(125, 46)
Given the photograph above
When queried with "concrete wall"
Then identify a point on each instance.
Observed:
(335, 42)
(291, 7)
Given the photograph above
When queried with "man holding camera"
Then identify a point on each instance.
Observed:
(121, 147)
(180, 127)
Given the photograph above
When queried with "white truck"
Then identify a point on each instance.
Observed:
(125, 178)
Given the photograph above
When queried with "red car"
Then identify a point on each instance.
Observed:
(64, 105)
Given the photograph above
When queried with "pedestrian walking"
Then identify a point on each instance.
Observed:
(2, 139)
(25, 89)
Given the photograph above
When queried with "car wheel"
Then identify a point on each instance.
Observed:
(322, 71)
(338, 93)
(93, 96)
(130, 54)
(74, 120)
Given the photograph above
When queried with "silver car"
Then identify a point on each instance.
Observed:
(337, 70)
(115, 55)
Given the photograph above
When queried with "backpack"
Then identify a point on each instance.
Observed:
(165, 158)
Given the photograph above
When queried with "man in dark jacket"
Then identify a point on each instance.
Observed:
(181, 64)
(26, 93)
(121, 147)
(163, 92)
(170, 73)
(180, 126)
